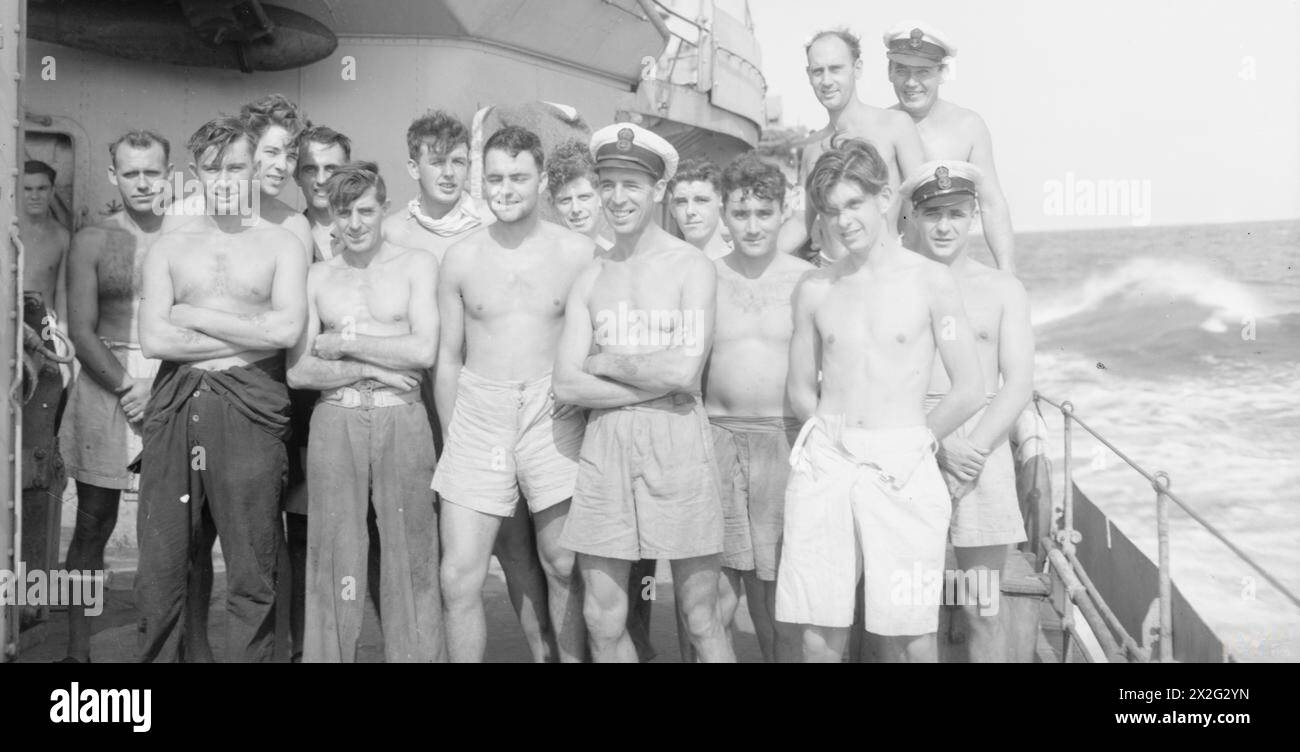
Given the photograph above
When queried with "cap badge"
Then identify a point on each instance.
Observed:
(915, 41)
(945, 182)
(625, 137)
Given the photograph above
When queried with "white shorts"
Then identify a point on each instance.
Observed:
(987, 511)
(863, 501)
(96, 440)
(503, 440)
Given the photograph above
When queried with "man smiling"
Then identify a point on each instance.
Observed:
(372, 331)
(277, 123)
(501, 298)
(834, 69)
(918, 61)
(647, 487)
(321, 151)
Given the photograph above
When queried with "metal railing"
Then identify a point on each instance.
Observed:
(1101, 619)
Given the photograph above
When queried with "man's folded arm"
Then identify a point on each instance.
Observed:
(275, 329)
(676, 368)
(159, 337)
(306, 371)
(571, 383)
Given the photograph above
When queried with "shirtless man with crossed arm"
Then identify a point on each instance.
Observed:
(646, 487)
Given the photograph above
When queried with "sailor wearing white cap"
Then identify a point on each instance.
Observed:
(630, 146)
(976, 458)
(918, 43)
(919, 54)
(647, 485)
(834, 67)
(942, 183)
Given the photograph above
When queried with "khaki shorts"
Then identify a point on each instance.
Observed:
(96, 441)
(647, 484)
(503, 440)
(863, 502)
(986, 512)
(753, 457)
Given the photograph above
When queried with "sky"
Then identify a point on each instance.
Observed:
(1181, 112)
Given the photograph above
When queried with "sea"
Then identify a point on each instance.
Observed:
(1181, 345)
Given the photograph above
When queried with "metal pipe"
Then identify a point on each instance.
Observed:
(652, 15)
(1283, 589)
(1130, 645)
(1079, 596)
(1161, 483)
(1067, 524)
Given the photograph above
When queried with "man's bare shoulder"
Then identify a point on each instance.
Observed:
(680, 254)
(412, 260)
(962, 115)
(815, 284)
(935, 279)
(274, 210)
(587, 277)
(897, 122)
(322, 269)
(92, 238)
(297, 223)
(466, 245)
(270, 232)
(786, 264)
(1004, 284)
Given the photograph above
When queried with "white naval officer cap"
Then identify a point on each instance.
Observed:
(913, 42)
(630, 146)
(942, 182)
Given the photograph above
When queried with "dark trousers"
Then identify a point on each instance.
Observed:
(209, 466)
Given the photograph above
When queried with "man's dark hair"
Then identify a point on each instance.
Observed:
(275, 109)
(325, 136)
(219, 133)
(37, 167)
(437, 131)
(853, 41)
(753, 176)
(512, 139)
(697, 171)
(569, 161)
(854, 161)
(139, 139)
(350, 182)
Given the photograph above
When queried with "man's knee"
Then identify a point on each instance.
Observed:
(559, 564)
(606, 622)
(702, 619)
(461, 577)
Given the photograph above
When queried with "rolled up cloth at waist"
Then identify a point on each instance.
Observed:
(369, 393)
(778, 424)
(933, 398)
(257, 391)
(667, 402)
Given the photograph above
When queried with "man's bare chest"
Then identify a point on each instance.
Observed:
(944, 139)
(539, 289)
(224, 272)
(120, 264)
(871, 316)
(361, 296)
(754, 309)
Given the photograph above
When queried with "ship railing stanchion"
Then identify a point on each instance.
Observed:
(1161, 485)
